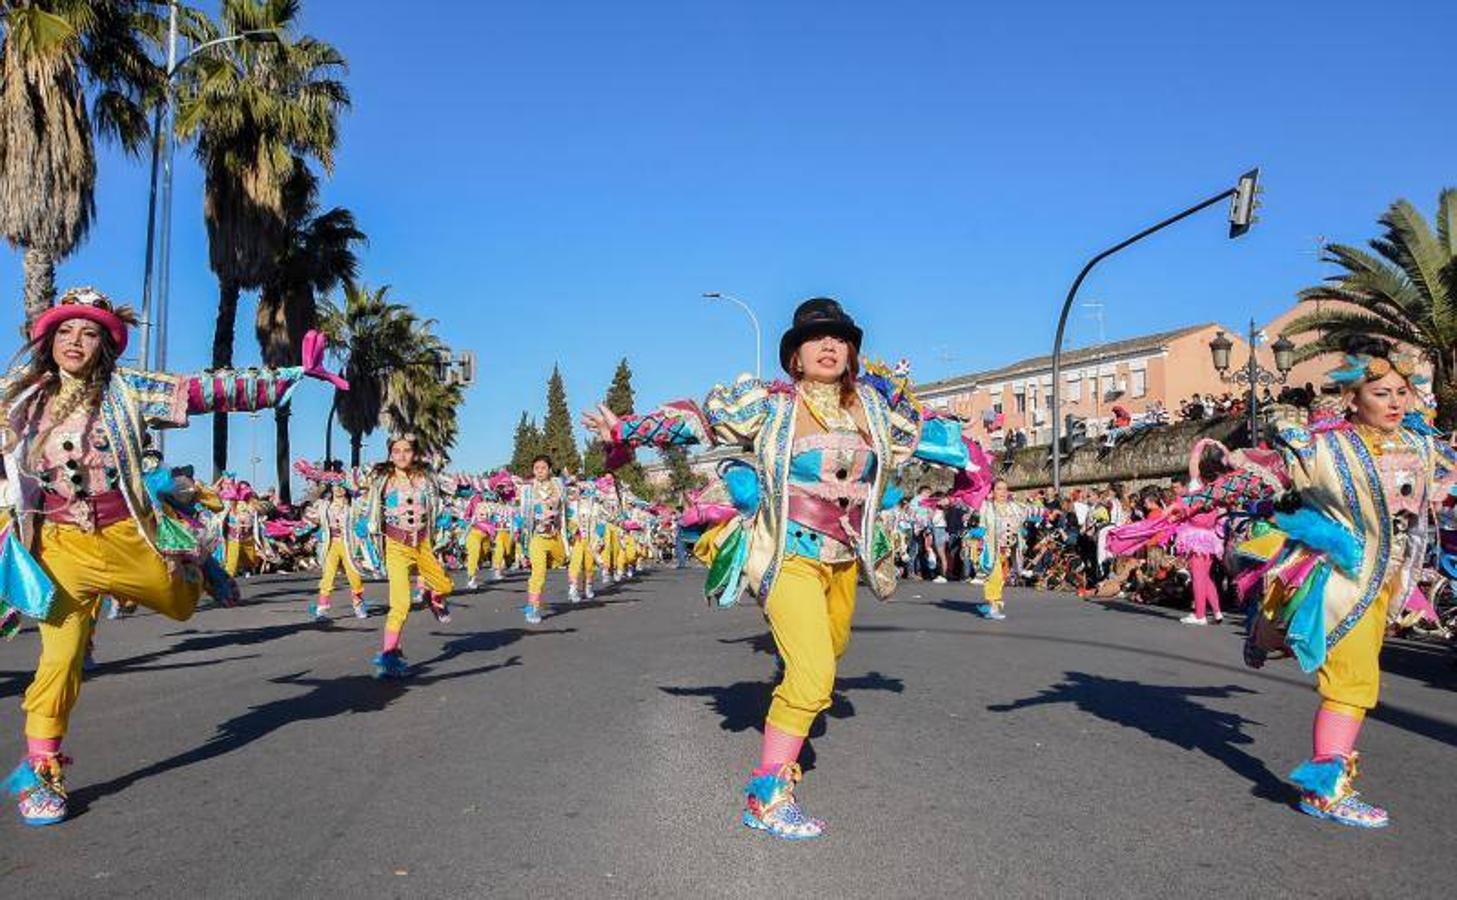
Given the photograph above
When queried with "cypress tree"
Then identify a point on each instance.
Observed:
(558, 440)
(525, 445)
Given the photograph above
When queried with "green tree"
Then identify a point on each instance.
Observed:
(417, 399)
(558, 440)
(69, 70)
(620, 399)
(1405, 291)
(372, 334)
(257, 110)
(525, 446)
(681, 476)
(317, 255)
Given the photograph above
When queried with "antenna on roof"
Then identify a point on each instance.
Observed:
(1096, 314)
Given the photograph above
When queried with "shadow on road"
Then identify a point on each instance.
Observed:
(741, 706)
(759, 642)
(1167, 713)
(323, 699)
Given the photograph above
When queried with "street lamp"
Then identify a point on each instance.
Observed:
(1245, 194)
(758, 364)
(162, 148)
(1252, 374)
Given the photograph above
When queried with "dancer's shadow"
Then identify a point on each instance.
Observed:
(557, 610)
(482, 642)
(741, 706)
(759, 642)
(1167, 713)
(323, 698)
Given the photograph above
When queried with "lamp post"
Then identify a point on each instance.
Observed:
(1252, 373)
(1245, 201)
(758, 354)
(162, 150)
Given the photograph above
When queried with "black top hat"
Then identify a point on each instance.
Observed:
(814, 318)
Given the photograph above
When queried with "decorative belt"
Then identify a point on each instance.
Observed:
(827, 517)
(86, 513)
(400, 535)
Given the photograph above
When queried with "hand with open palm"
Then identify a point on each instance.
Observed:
(602, 422)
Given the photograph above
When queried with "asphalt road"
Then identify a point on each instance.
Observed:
(1072, 750)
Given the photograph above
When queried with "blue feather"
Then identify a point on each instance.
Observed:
(1321, 533)
(1319, 777)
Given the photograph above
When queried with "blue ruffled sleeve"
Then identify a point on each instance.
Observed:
(941, 444)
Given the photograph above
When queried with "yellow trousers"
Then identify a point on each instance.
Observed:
(547, 552)
(338, 558)
(996, 580)
(114, 561)
(1351, 673)
(502, 548)
(475, 540)
(238, 555)
(582, 563)
(809, 611)
(400, 562)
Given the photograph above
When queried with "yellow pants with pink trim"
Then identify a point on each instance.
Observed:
(114, 561)
(502, 549)
(240, 556)
(996, 580)
(546, 552)
(1349, 680)
(809, 611)
(335, 559)
(475, 541)
(582, 564)
(402, 561)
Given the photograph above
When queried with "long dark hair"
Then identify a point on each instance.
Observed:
(387, 468)
(41, 368)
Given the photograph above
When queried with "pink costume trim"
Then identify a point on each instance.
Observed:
(1191, 539)
(391, 640)
(779, 747)
(1334, 734)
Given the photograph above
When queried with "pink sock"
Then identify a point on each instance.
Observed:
(1334, 734)
(533, 599)
(780, 747)
(42, 746)
(391, 640)
(323, 601)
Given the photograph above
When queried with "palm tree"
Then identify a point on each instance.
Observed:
(317, 255)
(372, 334)
(258, 110)
(56, 57)
(1405, 291)
(418, 401)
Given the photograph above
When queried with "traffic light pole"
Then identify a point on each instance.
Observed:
(1067, 306)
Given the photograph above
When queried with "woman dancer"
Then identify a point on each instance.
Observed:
(543, 509)
(242, 529)
(331, 513)
(74, 436)
(1335, 567)
(826, 446)
(403, 504)
(581, 526)
(1001, 520)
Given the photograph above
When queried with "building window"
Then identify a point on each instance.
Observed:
(1106, 386)
(1074, 390)
(1021, 400)
(1138, 382)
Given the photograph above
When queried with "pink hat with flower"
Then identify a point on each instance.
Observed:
(82, 303)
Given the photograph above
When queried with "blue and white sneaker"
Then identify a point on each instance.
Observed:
(533, 615)
(769, 805)
(39, 784)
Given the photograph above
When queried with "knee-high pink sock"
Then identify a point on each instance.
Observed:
(780, 747)
(391, 640)
(42, 746)
(1334, 734)
(533, 600)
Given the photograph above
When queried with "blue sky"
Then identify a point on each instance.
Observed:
(558, 183)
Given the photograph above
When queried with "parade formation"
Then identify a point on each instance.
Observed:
(1099, 528)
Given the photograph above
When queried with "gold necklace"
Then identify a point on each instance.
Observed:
(823, 402)
(1377, 440)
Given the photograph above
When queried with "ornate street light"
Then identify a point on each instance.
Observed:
(1252, 374)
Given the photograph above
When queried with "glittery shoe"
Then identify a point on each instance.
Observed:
(533, 615)
(572, 595)
(39, 784)
(1327, 792)
(770, 806)
(319, 612)
(390, 665)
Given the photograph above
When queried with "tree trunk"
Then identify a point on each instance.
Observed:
(222, 358)
(356, 444)
(281, 415)
(40, 283)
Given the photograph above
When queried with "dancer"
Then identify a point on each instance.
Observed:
(1197, 540)
(403, 503)
(1334, 568)
(542, 508)
(73, 449)
(1001, 520)
(242, 528)
(826, 446)
(481, 518)
(582, 514)
(331, 513)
